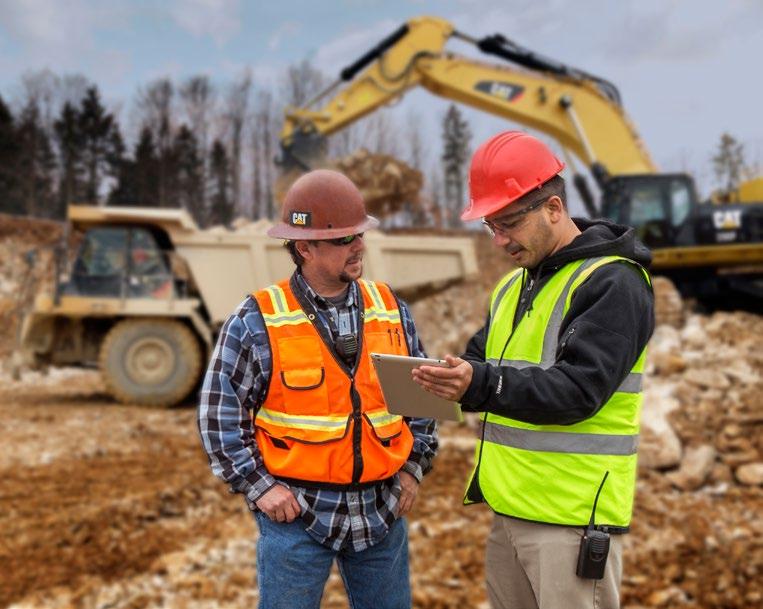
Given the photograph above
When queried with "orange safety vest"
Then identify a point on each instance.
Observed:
(319, 423)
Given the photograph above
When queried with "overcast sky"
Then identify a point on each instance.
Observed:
(688, 70)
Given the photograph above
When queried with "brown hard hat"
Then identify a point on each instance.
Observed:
(322, 204)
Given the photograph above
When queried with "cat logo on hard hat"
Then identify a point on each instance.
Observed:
(300, 218)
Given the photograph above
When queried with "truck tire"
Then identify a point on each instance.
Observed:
(150, 362)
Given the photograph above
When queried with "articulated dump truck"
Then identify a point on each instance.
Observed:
(148, 291)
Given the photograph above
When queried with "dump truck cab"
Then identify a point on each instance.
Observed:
(122, 261)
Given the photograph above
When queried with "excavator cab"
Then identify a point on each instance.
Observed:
(662, 208)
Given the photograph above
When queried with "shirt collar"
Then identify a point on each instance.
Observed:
(317, 299)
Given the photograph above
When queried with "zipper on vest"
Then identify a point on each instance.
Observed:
(529, 295)
(566, 339)
(357, 429)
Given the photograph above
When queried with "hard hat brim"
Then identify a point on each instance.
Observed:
(297, 233)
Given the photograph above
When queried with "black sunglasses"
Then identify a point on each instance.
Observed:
(342, 240)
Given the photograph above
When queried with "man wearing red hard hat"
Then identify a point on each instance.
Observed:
(292, 416)
(557, 371)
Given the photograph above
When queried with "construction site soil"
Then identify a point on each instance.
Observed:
(105, 505)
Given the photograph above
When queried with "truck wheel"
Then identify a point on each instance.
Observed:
(152, 362)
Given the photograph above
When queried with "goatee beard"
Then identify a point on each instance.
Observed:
(345, 277)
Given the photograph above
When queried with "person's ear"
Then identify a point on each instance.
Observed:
(555, 209)
(304, 249)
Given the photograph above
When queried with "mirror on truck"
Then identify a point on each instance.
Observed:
(120, 262)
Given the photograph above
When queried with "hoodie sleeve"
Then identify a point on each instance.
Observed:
(475, 348)
(608, 324)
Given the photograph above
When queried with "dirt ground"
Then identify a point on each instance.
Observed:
(111, 506)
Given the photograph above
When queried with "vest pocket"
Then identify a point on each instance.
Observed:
(385, 447)
(302, 375)
(303, 380)
(384, 426)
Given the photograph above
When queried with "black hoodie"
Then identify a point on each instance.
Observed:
(612, 314)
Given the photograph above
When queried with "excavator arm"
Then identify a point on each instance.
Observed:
(580, 111)
(583, 113)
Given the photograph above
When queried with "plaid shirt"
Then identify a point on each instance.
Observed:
(234, 388)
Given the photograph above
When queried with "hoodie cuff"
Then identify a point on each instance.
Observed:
(476, 395)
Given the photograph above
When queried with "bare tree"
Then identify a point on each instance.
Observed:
(36, 163)
(198, 98)
(264, 130)
(437, 196)
(728, 164)
(155, 105)
(40, 90)
(301, 82)
(347, 140)
(72, 88)
(415, 140)
(237, 103)
(381, 133)
(378, 133)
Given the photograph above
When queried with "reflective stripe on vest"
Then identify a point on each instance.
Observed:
(305, 428)
(550, 473)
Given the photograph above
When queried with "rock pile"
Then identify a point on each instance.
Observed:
(387, 183)
(697, 534)
(27, 254)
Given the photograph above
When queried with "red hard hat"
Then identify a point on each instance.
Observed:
(322, 204)
(506, 167)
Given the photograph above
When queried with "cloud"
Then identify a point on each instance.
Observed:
(63, 37)
(670, 32)
(350, 45)
(287, 29)
(218, 19)
(54, 30)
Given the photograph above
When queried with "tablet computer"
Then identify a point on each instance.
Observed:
(406, 397)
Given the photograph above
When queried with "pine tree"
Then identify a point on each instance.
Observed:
(189, 174)
(138, 178)
(221, 211)
(101, 143)
(69, 141)
(124, 191)
(456, 136)
(146, 170)
(10, 200)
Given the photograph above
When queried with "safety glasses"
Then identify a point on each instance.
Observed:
(339, 241)
(506, 224)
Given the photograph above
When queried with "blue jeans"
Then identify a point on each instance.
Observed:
(292, 568)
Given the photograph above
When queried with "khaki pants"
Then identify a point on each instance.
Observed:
(532, 566)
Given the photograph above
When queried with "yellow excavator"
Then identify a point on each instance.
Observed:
(712, 252)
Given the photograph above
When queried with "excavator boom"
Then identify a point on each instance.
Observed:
(710, 253)
(582, 112)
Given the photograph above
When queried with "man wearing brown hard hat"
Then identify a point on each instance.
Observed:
(292, 415)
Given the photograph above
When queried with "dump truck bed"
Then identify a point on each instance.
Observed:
(226, 265)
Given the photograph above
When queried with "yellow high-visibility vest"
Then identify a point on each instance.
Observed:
(551, 473)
